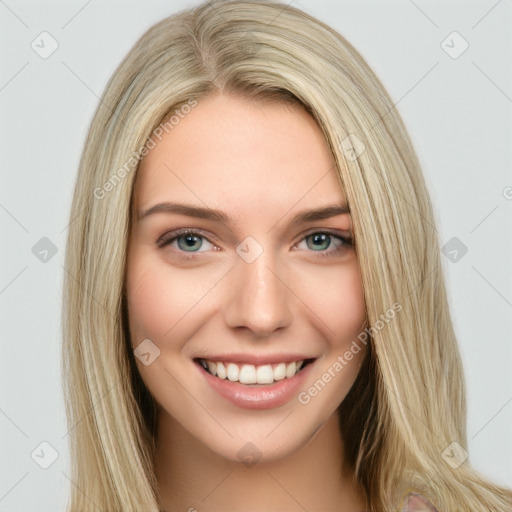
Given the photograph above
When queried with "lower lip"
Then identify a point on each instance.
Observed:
(257, 397)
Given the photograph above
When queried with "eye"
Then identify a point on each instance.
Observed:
(320, 241)
(188, 241)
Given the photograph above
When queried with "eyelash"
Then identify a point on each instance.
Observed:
(168, 238)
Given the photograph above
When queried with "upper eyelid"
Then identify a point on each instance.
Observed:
(176, 233)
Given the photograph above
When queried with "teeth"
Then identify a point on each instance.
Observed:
(290, 369)
(212, 367)
(264, 374)
(249, 374)
(221, 371)
(232, 371)
(280, 371)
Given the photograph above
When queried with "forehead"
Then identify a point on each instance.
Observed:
(239, 155)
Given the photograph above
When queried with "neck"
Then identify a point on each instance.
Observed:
(192, 478)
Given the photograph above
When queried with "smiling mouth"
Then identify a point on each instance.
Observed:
(264, 374)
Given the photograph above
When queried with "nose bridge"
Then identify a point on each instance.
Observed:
(258, 298)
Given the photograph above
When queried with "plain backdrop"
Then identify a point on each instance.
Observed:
(457, 109)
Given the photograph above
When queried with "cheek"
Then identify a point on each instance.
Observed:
(351, 312)
(147, 299)
(158, 299)
(336, 298)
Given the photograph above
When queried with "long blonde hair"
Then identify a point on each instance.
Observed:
(407, 406)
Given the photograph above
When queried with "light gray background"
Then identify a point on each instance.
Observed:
(458, 112)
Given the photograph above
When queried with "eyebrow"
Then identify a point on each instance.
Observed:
(312, 215)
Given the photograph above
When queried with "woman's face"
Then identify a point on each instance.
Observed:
(256, 283)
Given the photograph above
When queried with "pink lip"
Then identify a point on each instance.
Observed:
(257, 396)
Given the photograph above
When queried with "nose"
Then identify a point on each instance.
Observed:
(259, 298)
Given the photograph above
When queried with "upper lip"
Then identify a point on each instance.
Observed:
(256, 359)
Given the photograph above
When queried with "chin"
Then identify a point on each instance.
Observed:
(256, 446)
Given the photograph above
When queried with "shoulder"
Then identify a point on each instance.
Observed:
(417, 503)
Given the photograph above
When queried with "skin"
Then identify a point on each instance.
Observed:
(261, 163)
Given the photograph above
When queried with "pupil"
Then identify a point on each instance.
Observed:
(190, 240)
(321, 238)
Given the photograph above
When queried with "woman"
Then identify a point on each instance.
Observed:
(258, 372)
